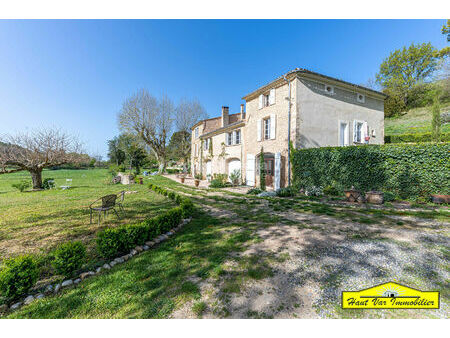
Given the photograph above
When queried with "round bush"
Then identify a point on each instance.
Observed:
(17, 276)
(69, 257)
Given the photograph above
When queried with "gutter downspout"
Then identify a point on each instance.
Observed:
(289, 130)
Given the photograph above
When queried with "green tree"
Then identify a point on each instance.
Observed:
(436, 120)
(115, 154)
(180, 146)
(262, 171)
(404, 68)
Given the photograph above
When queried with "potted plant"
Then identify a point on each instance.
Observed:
(197, 177)
(182, 178)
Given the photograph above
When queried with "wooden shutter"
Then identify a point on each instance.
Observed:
(234, 137)
(258, 123)
(272, 126)
(261, 100)
(272, 96)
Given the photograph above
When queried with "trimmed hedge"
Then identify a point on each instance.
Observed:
(414, 138)
(114, 241)
(17, 276)
(409, 170)
(69, 257)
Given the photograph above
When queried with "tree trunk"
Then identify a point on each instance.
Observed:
(36, 177)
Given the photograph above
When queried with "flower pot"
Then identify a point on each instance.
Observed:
(440, 199)
(374, 197)
(354, 195)
(182, 179)
(196, 182)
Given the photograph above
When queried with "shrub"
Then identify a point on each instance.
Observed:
(314, 191)
(198, 176)
(223, 178)
(215, 183)
(187, 208)
(285, 192)
(69, 257)
(235, 177)
(22, 185)
(388, 196)
(137, 234)
(408, 170)
(331, 191)
(414, 138)
(48, 183)
(169, 220)
(113, 241)
(17, 276)
(254, 191)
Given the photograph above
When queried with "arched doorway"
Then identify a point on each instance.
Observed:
(232, 165)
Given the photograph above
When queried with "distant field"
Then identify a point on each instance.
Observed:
(36, 222)
(416, 120)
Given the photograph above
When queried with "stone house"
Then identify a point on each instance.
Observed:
(302, 107)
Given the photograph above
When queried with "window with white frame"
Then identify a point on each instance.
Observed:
(237, 136)
(229, 139)
(358, 131)
(266, 128)
(329, 89)
(360, 98)
(196, 132)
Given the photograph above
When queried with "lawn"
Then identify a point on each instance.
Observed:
(36, 222)
(249, 257)
(416, 120)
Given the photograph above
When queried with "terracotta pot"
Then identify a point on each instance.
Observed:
(354, 195)
(182, 179)
(196, 182)
(440, 199)
(374, 197)
(141, 180)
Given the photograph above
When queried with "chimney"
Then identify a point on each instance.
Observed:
(225, 119)
(242, 112)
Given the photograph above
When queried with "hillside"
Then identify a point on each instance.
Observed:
(417, 120)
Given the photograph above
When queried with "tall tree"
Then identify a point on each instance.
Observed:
(36, 150)
(115, 154)
(404, 68)
(188, 113)
(151, 120)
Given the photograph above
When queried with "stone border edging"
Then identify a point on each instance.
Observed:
(54, 289)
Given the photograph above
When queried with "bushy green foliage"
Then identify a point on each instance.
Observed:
(22, 185)
(49, 183)
(17, 276)
(235, 177)
(408, 170)
(331, 190)
(286, 192)
(388, 196)
(414, 138)
(219, 181)
(112, 242)
(69, 257)
(436, 121)
(173, 171)
(254, 191)
(394, 104)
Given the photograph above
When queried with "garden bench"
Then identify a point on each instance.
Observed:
(108, 203)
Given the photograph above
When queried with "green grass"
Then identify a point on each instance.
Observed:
(416, 120)
(36, 222)
(154, 284)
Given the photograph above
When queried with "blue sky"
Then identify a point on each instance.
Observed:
(75, 74)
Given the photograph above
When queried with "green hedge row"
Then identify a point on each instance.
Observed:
(19, 274)
(114, 241)
(414, 138)
(408, 170)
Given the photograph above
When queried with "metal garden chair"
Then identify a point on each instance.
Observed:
(108, 203)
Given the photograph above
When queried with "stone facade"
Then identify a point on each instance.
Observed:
(324, 112)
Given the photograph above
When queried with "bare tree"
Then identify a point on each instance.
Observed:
(189, 112)
(150, 119)
(36, 150)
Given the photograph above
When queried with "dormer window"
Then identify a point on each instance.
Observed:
(267, 99)
(360, 98)
(329, 89)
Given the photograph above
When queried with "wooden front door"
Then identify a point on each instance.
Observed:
(269, 168)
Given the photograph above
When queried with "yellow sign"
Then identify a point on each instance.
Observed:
(390, 296)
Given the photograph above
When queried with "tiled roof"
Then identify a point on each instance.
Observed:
(215, 123)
